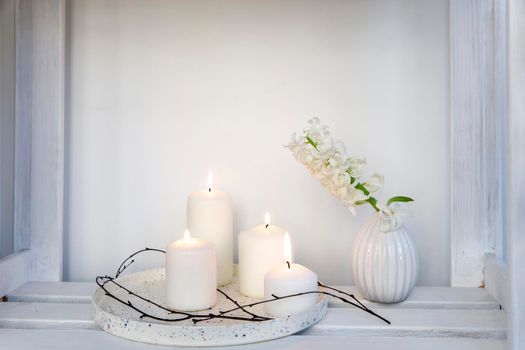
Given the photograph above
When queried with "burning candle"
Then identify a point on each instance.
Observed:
(288, 279)
(260, 250)
(191, 274)
(210, 217)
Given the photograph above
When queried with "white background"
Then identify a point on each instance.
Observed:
(159, 92)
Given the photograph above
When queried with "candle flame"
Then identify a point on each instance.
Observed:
(267, 219)
(210, 180)
(287, 248)
(187, 236)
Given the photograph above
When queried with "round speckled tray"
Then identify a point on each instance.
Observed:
(118, 319)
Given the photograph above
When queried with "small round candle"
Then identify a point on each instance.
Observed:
(260, 250)
(210, 217)
(191, 274)
(288, 279)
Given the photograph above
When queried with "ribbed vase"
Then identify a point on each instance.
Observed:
(384, 262)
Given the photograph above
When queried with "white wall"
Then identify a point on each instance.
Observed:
(162, 91)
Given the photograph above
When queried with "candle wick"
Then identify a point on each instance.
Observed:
(288, 264)
(266, 226)
(209, 189)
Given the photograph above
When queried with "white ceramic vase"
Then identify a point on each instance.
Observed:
(384, 261)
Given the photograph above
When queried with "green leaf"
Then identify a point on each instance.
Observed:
(399, 199)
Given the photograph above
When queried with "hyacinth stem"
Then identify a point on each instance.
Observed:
(311, 142)
(371, 200)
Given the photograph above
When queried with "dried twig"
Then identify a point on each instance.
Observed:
(103, 281)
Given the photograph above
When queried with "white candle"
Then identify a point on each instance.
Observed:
(288, 279)
(191, 274)
(260, 250)
(210, 217)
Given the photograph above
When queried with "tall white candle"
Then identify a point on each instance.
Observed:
(210, 217)
(260, 250)
(289, 279)
(191, 274)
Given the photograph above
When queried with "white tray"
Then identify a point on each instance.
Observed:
(118, 319)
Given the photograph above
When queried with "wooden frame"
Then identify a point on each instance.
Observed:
(488, 138)
(7, 124)
(39, 145)
(516, 174)
(497, 279)
(477, 109)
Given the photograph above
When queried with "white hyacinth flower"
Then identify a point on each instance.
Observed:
(390, 217)
(336, 163)
(374, 183)
(357, 163)
(316, 131)
(354, 196)
(327, 161)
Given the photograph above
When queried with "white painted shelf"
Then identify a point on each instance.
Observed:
(421, 297)
(54, 292)
(49, 315)
(46, 339)
(433, 298)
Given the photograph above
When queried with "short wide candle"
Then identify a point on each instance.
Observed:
(210, 217)
(260, 250)
(289, 279)
(191, 274)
